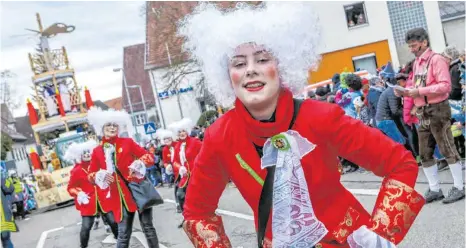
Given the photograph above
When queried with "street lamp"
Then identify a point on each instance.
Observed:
(129, 100)
(142, 97)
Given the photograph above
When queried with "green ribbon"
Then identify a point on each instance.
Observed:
(248, 168)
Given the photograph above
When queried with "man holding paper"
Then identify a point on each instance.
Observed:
(432, 86)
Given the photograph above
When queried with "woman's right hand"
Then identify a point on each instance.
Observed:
(399, 93)
(109, 178)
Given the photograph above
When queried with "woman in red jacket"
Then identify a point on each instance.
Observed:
(117, 156)
(186, 151)
(89, 200)
(168, 157)
(281, 152)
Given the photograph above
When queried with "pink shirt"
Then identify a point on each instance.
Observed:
(438, 81)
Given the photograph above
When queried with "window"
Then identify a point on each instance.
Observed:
(366, 62)
(355, 14)
(140, 119)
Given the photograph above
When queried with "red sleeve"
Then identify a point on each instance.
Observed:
(200, 205)
(176, 159)
(94, 165)
(73, 184)
(371, 149)
(141, 153)
(166, 156)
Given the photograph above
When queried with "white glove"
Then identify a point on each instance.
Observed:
(183, 171)
(169, 169)
(365, 238)
(100, 179)
(82, 198)
(138, 168)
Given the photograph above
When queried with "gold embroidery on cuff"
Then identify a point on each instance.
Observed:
(345, 227)
(395, 213)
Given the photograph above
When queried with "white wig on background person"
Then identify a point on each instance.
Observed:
(75, 151)
(98, 118)
(288, 30)
(164, 134)
(185, 124)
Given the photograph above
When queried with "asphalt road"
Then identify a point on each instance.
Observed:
(438, 225)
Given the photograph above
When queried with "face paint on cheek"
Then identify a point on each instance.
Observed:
(235, 77)
(271, 71)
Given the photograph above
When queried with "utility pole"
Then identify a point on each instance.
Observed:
(176, 88)
(129, 101)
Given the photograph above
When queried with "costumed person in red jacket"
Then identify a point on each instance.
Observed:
(281, 152)
(186, 151)
(168, 156)
(89, 200)
(116, 162)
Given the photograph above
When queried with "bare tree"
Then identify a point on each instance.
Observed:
(8, 94)
(168, 15)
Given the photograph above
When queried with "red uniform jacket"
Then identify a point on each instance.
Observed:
(79, 182)
(193, 146)
(166, 155)
(126, 152)
(335, 135)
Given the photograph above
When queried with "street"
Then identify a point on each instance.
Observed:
(438, 225)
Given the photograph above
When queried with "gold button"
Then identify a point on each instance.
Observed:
(318, 245)
(349, 222)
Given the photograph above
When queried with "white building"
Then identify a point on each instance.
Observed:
(173, 105)
(20, 131)
(368, 34)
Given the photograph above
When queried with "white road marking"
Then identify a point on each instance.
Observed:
(364, 191)
(27, 219)
(373, 192)
(223, 212)
(237, 215)
(79, 223)
(109, 240)
(43, 236)
(140, 236)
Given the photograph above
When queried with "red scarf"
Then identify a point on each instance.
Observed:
(258, 132)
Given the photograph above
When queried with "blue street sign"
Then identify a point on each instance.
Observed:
(150, 128)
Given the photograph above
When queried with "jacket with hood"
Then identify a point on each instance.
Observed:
(456, 91)
(389, 106)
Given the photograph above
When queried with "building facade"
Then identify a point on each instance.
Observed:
(366, 35)
(138, 89)
(23, 142)
(452, 14)
(356, 35)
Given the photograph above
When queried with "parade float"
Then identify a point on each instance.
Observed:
(59, 118)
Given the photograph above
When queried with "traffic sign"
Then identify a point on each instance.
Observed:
(150, 128)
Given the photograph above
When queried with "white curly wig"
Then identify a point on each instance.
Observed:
(98, 118)
(164, 133)
(75, 150)
(289, 30)
(183, 124)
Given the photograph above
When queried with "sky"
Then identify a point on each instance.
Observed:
(94, 48)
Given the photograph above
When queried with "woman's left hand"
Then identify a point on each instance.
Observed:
(137, 169)
(363, 238)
